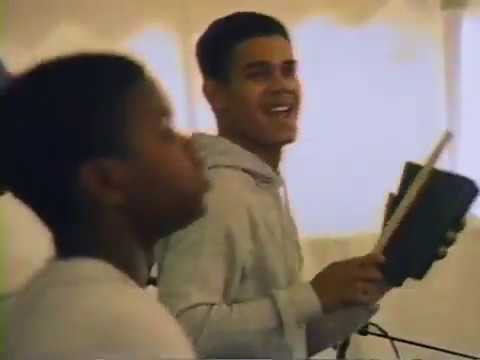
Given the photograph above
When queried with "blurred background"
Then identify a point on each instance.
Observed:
(382, 79)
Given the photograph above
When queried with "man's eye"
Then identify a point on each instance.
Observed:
(168, 134)
(257, 75)
(291, 72)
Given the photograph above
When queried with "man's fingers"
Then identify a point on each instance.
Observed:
(460, 226)
(367, 293)
(450, 238)
(442, 252)
(372, 274)
(368, 268)
(372, 259)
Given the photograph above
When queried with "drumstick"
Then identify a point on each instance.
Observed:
(412, 193)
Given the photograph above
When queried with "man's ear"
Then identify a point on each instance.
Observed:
(104, 180)
(216, 94)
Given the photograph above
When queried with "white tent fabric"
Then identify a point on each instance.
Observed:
(382, 79)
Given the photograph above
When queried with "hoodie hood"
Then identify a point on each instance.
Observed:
(218, 152)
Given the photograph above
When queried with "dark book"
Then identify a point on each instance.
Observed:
(440, 206)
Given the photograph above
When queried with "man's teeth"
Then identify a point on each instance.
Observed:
(280, 108)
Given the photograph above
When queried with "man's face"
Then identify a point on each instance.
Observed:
(166, 182)
(260, 101)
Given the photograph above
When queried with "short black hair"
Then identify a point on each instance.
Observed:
(215, 47)
(56, 116)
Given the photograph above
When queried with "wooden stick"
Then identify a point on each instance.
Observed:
(413, 192)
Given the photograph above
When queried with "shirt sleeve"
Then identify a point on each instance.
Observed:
(324, 331)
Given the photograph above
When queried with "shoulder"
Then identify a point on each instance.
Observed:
(220, 231)
(231, 184)
(140, 322)
(116, 317)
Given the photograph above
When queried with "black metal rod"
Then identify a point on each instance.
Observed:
(430, 347)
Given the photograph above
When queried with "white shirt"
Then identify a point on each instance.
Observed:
(87, 309)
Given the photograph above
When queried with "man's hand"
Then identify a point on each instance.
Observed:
(450, 239)
(356, 281)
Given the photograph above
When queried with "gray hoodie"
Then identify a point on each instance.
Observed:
(233, 278)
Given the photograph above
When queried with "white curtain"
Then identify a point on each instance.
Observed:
(469, 124)
(382, 80)
(374, 98)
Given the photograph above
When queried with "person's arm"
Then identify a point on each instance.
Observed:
(200, 266)
(200, 270)
(349, 290)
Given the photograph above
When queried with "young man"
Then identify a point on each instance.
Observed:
(233, 278)
(87, 143)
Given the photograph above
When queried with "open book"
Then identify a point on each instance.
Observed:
(429, 203)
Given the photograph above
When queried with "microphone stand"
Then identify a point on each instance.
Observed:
(364, 331)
